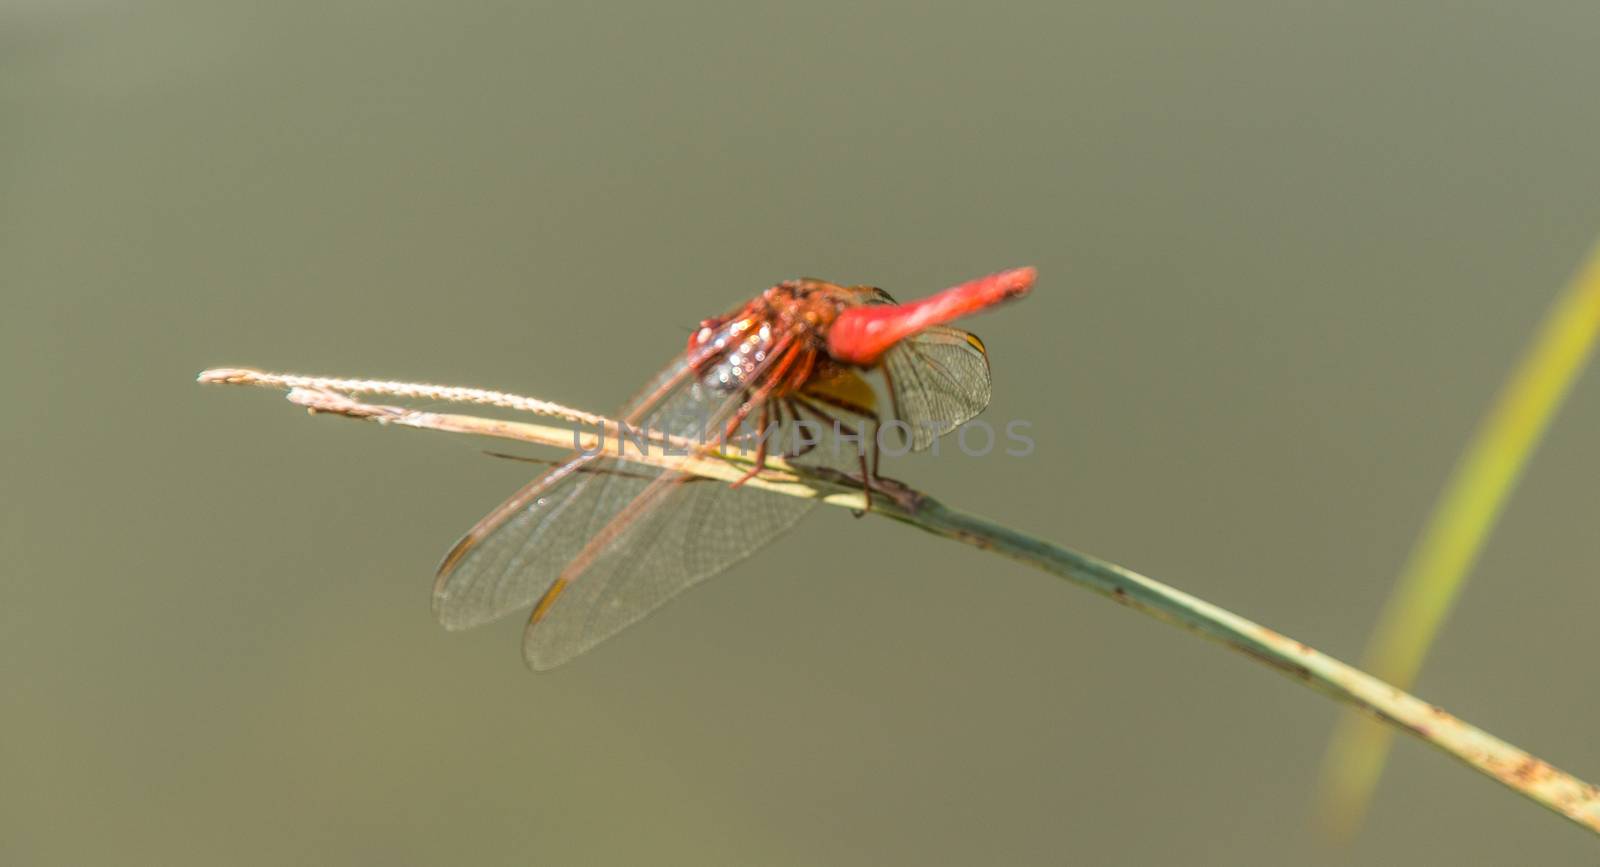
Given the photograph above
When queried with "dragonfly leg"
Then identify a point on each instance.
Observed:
(869, 472)
(898, 491)
(894, 489)
(784, 355)
(761, 445)
(861, 460)
(781, 359)
(866, 485)
(802, 446)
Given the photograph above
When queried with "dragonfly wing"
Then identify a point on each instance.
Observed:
(599, 542)
(540, 529)
(938, 378)
(685, 529)
(511, 557)
(677, 531)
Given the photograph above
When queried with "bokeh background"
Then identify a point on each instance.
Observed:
(1288, 252)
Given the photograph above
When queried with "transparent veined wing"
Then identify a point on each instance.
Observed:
(685, 530)
(598, 542)
(505, 562)
(937, 379)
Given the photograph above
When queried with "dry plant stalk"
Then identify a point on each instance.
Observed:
(1548, 786)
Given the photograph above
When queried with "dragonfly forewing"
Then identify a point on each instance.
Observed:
(686, 529)
(598, 541)
(511, 557)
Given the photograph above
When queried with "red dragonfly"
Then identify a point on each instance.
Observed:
(596, 543)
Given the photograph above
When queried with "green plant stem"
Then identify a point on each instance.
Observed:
(1511, 767)
(1547, 786)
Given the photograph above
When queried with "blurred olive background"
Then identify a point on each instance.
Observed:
(1288, 253)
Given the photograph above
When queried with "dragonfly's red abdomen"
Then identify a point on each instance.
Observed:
(862, 335)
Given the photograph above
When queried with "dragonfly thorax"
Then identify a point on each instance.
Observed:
(794, 314)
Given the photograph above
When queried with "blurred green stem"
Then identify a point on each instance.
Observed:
(1462, 520)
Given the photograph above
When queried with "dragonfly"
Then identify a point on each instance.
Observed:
(804, 369)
